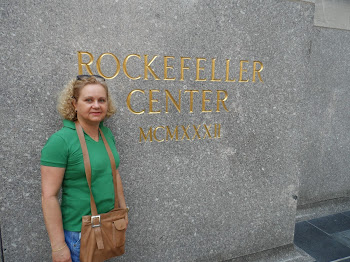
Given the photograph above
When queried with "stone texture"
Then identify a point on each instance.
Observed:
(325, 147)
(208, 199)
(333, 14)
(285, 253)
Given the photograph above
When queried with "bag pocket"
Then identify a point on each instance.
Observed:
(119, 232)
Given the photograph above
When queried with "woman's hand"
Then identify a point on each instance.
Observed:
(61, 255)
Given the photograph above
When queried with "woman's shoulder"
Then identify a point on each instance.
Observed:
(106, 131)
(65, 133)
(58, 146)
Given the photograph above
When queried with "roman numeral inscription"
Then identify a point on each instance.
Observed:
(179, 133)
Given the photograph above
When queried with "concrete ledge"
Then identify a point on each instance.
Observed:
(280, 254)
(323, 208)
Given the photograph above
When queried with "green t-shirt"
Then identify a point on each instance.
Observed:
(63, 150)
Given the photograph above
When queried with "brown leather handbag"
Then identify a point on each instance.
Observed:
(102, 235)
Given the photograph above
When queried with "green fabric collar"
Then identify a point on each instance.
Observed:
(71, 124)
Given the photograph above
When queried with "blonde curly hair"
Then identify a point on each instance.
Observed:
(71, 92)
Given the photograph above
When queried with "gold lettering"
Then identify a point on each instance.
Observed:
(152, 134)
(207, 131)
(148, 68)
(177, 105)
(124, 67)
(166, 67)
(205, 100)
(128, 101)
(191, 98)
(151, 101)
(196, 132)
(98, 66)
(168, 133)
(241, 70)
(185, 133)
(155, 134)
(257, 71)
(213, 71)
(149, 133)
(218, 100)
(217, 130)
(228, 72)
(87, 65)
(183, 67)
(198, 69)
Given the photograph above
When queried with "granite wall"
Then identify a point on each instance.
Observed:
(226, 187)
(325, 146)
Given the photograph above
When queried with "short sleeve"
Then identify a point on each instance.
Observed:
(55, 152)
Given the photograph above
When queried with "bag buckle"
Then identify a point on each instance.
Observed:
(99, 221)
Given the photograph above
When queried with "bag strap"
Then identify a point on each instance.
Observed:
(114, 169)
(87, 167)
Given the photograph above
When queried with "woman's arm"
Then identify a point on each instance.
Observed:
(121, 198)
(51, 180)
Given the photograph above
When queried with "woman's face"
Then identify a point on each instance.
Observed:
(92, 104)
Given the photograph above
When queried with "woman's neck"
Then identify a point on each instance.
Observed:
(91, 130)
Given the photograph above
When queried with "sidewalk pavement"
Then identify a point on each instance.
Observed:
(326, 239)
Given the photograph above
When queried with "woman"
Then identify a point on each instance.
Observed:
(87, 101)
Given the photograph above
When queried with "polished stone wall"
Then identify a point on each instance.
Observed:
(227, 187)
